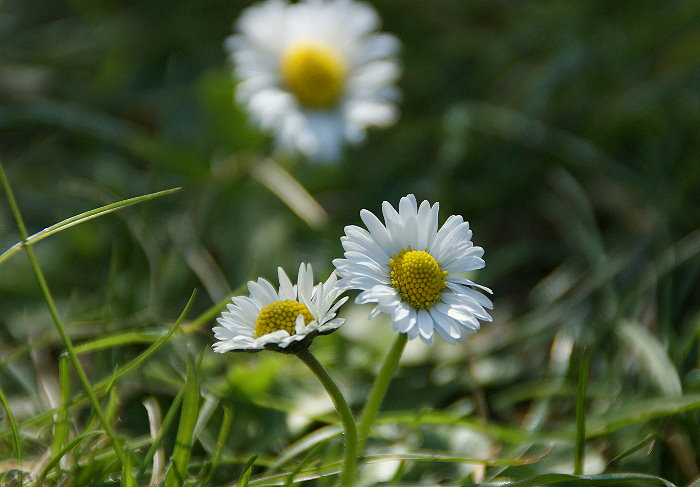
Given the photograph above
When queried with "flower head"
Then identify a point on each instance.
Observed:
(315, 73)
(286, 320)
(411, 270)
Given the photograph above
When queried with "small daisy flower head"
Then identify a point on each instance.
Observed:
(315, 73)
(413, 271)
(284, 320)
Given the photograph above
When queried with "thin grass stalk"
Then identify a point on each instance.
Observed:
(104, 385)
(15, 434)
(220, 444)
(579, 451)
(164, 428)
(53, 311)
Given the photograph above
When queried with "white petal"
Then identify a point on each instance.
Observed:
(425, 324)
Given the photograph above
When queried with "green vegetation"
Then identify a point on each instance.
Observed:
(137, 198)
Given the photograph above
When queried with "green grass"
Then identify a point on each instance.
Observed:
(565, 132)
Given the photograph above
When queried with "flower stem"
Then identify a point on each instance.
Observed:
(349, 475)
(381, 384)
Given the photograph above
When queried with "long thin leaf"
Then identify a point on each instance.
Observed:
(57, 457)
(305, 443)
(639, 411)
(621, 480)
(120, 372)
(185, 433)
(244, 480)
(581, 416)
(13, 427)
(61, 428)
(224, 430)
(164, 428)
(290, 191)
(121, 339)
(81, 218)
(335, 468)
(653, 356)
(304, 462)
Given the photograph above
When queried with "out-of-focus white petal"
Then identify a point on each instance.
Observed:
(349, 28)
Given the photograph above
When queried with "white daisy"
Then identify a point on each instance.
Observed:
(411, 270)
(285, 320)
(315, 73)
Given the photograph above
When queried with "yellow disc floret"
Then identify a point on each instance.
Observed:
(418, 277)
(314, 73)
(281, 315)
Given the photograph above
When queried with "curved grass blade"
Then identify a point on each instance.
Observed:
(620, 480)
(336, 467)
(120, 372)
(244, 480)
(81, 218)
(305, 443)
(639, 411)
(304, 462)
(497, 431)
(58, 456)
(653, 356)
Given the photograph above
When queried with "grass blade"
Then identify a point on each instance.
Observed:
(185, 433)
(244, 479)
(55, 317)
(81, 218)
(305, 461)
(639, 411)
(581, 416)
(164, 428)
(61, 429)
(220, 443)
(120, 372)
(620, 480)
(60, 454)
(121, 339)
(290, 192)
(653, 357)
(15, 431)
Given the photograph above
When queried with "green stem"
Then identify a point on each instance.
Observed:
(53, 311)
(381, 384)
(349, 475)
(15, 435)
(581, 416)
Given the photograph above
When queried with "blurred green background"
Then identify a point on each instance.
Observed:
(565, 132)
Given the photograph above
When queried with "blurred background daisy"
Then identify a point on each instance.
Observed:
(316, 73)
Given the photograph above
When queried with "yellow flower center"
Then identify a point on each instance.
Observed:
(314, 73)
(418, 277)
(281, 315)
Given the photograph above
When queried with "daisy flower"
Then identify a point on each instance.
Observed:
(284, 321)
(315, 73)
(411, 270)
